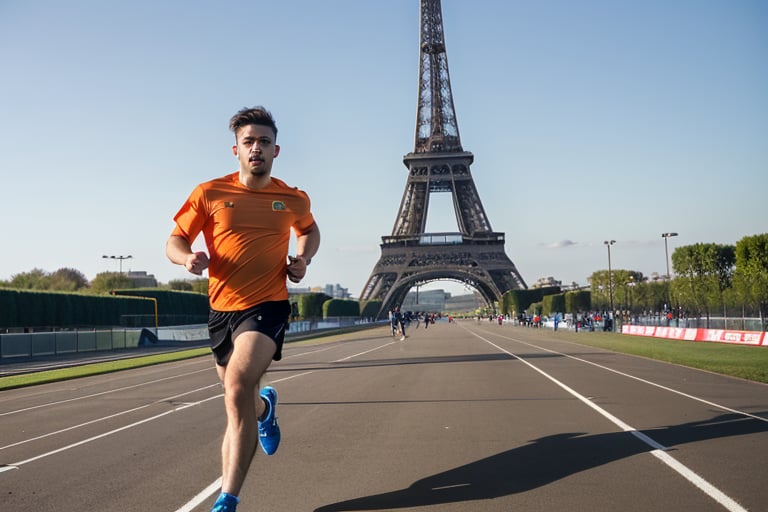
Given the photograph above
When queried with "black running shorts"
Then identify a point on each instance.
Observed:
(270, 318)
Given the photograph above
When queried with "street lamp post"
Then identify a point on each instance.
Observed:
(631, 284)
(608, 244)
(120, 258)
(666, 236)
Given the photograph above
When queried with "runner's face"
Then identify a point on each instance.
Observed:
(255, 149)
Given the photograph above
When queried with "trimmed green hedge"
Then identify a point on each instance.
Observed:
(172, 302)
(33, 309)
(576, 302)
(22, 308)
(341, 307)
(371, 308)
(517, 301)
(311, 305)
(552, 304)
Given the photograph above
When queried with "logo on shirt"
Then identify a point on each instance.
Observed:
(229, 204)
(278, 206)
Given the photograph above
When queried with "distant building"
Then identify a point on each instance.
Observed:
(335, 291)
(465, 303)
(426, 300)
(299, 290)
(141, 279)
(544, 282)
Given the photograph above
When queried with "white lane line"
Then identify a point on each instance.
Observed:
(208, 491)
(104, 418)
(309, 353)
(708, 489)
(639, 379)
(115, 431)
(201, 496)
(658, 450)
(290, 377)
(93, 395)
(364, 352)
(216, 485)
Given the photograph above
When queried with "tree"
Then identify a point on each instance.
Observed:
(35, 279)
(181, 285)
(650, 296)
(622, 281)
(67, 280)
(598, 285)
(200, 285)
(105, 282)
(751, 275)
(63, 280)
(704, 272)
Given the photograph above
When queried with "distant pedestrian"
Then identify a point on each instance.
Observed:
(398, 322)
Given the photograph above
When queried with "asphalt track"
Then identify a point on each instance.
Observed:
(461, 417)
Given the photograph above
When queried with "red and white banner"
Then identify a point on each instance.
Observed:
(755, 338)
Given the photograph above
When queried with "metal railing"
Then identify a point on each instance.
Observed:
(75, 341)
(62, 342)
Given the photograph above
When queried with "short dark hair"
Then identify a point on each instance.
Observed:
(255, 115)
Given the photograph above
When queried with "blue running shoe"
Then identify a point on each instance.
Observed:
(269, 432)
(225, 503)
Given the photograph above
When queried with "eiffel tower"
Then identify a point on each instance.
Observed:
(410, 257)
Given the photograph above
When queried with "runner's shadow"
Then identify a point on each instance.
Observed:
(543, 461)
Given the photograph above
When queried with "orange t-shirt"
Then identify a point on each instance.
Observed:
(247, 233)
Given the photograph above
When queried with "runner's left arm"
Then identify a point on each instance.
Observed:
(307, 245)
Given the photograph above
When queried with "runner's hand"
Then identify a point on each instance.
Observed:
(197, 262)
(297, 268)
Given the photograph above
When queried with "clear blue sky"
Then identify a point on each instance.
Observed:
(589, 120)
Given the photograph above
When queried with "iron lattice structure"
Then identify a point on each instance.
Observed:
(438, 164)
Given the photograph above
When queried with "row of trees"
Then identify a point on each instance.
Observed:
(710, 280)
(72, 280)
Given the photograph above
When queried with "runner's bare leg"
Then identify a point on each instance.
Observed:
(250, 359)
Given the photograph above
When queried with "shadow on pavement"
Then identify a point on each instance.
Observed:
(543, 461)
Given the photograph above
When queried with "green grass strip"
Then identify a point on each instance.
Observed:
(742, 361)
(74, 372)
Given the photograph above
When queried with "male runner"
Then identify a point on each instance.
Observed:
(246, 219)
(398, 323)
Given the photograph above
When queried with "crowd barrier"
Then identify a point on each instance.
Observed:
(753, 338)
